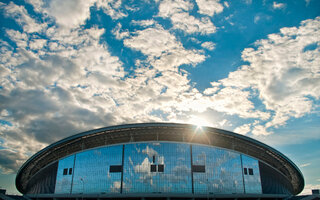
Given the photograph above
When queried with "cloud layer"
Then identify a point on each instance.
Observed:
(59, 76)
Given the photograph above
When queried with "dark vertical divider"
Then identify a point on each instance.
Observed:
(244, 186)
(74, 163)
(121, 184)
(191, 169)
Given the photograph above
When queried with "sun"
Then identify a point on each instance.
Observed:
(199, 122)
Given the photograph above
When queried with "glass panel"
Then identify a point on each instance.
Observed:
(223, 172)
(63, 181)
(252, 181)
(92, 171)
(175, 159)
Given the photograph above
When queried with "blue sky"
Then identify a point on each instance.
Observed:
(252, 67)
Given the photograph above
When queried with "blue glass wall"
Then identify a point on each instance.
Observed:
(252, 180)
(222, 174)
(92, 171)
(139, 177)
(158, 167)
(63, 182)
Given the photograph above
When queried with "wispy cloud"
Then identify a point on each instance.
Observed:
(276, 5)
(305, 165)
(178, 13)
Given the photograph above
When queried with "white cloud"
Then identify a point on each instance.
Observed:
(283, 71)
(21, 16)
(112, 8)
(276, 5)
(119, 34)
(144, 23)
(209, 7)
(260, 130)
(243, 130)
(71, 13)
(37, 43)
(208, 45)
(305, 165)
(162, 48)
(236, 101)
(178, 12)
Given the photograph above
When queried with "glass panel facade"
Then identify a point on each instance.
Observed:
(63, 182)
(92, 171)
(252, 180)
(158, 167)
(176, 176)
(223, 172)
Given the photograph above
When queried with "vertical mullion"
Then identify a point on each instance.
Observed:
(121, 183)
(191, 169)
(244, 187)
(74, 162)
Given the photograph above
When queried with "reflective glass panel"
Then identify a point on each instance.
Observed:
(92, 171)
(223, 172)
(252, 182)
(63, 182)
(176, 175)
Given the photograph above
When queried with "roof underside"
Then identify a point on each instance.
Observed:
(159, 132)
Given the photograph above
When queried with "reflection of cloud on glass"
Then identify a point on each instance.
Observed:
(200, 159)
(149, 151)
(179, 174)
(130, 161)
(144, 167)
(160, 160)
(97, 152)
(115, 186)
(139, 178)
(136, 147)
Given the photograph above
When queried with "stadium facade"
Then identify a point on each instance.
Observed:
(155, 160)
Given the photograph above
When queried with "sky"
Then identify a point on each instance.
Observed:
(252, 67)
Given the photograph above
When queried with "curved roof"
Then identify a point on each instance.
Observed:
(159, 132)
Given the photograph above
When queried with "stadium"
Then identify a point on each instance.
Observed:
(159, 161)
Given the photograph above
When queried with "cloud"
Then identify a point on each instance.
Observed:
(208, 45)
(178, 13)
(282, 70)
(21, 16)
(10, 160)
(243, 130)
(276, 5)
(61, 81)
(112, 8)
(236, 101)
(71, 13)
(305, 165)
(209, 7)
(162, 48)
(144, 23)
(50, 93)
